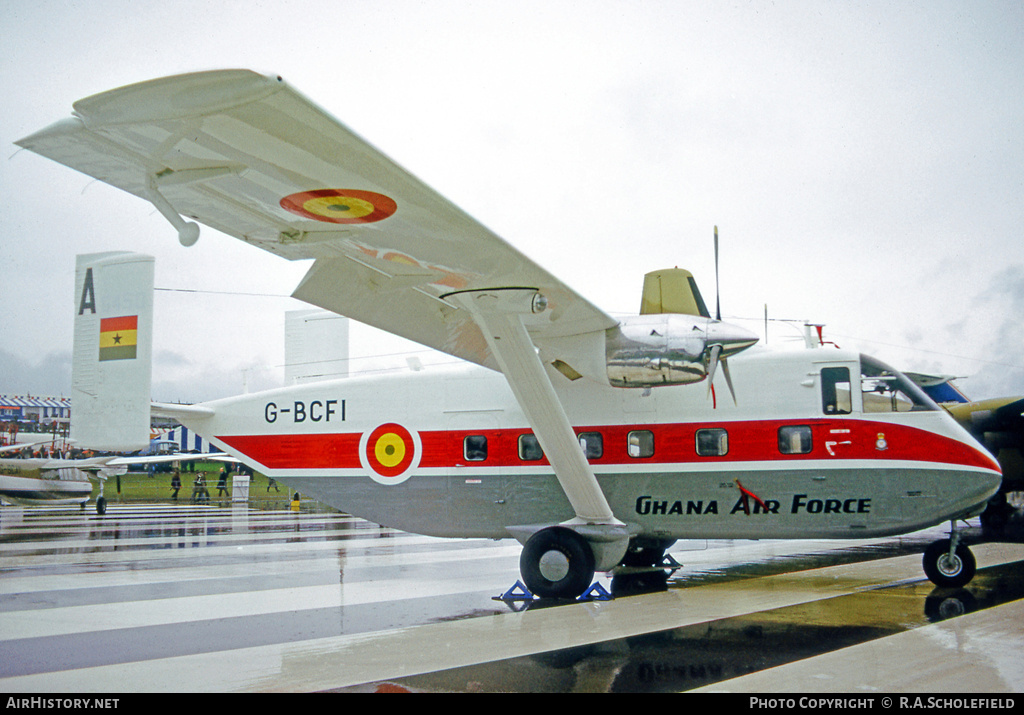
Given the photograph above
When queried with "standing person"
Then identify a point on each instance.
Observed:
(199, 491)
(222, 483)
(175, 484)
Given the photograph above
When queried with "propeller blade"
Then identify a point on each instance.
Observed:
(728, 380)
(718, 307)
(713, 364)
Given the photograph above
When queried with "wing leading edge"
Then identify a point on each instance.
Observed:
(249, 156)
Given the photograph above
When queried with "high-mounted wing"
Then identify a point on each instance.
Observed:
(248, 155)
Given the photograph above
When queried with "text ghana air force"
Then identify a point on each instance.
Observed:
(578, 434)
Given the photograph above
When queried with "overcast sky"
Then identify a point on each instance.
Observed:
(864, 162)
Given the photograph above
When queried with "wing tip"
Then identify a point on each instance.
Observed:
(176, 96)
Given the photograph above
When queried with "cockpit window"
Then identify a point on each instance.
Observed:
(887, 390)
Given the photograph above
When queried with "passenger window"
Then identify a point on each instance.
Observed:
(474, 448)
(712, 442)
(835, 391)
(529, 448)
(592, 443)
(640, 443)
(795, 439)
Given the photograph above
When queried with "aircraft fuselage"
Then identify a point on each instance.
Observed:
(43, 481)
(451, 453)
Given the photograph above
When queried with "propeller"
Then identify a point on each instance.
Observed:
(718, 305)
(721, 336)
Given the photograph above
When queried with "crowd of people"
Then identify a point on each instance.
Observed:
(199, 491)
(201, 494)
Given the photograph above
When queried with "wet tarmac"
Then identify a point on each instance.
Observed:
(184, 598)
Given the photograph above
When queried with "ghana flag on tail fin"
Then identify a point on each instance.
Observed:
(119, 337)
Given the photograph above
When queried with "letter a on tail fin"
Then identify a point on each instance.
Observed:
(112, 357)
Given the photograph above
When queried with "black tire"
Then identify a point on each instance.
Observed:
(557, 563)
(101, 506)
(646, 553)
(996, 516)
(944, 571)
(949, 604)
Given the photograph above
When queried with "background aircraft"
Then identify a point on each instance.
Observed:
(998, 424)
(37, 481)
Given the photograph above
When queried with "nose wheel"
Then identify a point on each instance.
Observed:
(949, 563)
(557, 563)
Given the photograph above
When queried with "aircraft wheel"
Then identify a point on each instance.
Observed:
(943, 570)
(101, 506)
(946, 605)
(557, 563)
(643, 553)
(996, 516)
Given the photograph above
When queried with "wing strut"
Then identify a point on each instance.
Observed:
(188, 231)
(501, 314)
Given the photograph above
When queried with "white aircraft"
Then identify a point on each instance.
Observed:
(572, 431)
(39, 481)
(42, 481)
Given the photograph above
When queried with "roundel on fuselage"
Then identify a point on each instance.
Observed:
(390, 453)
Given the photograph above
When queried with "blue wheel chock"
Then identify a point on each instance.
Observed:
(518, 592)
(668, 562)
(596, 592)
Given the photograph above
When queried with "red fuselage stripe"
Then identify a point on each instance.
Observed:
(755, 441)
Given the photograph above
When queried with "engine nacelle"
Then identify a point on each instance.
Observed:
(659, 349)
(669, 348)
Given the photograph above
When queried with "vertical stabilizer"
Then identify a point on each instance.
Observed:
(112, 357)
(315, 346)
(672, 290)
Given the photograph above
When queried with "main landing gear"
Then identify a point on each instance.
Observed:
(557, 563)
(949, 563)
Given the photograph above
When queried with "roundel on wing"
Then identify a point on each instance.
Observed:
(340, 205)
(390, 453)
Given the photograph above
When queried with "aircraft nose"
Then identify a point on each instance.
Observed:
(731, 337)
(986, 483)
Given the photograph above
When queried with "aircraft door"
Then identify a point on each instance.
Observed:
(477, 482)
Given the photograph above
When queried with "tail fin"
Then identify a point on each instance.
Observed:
(112, 357)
